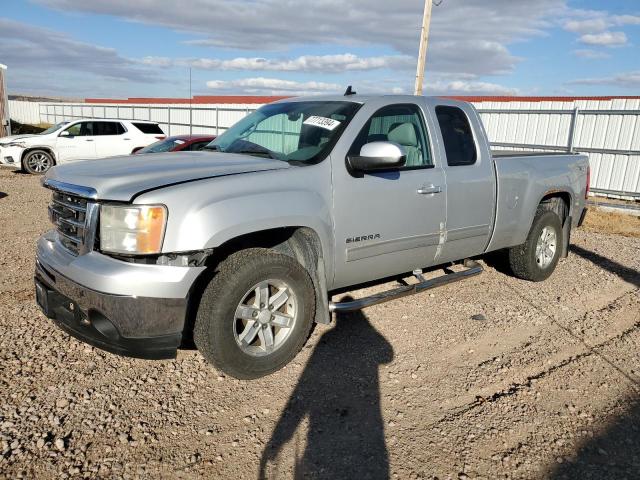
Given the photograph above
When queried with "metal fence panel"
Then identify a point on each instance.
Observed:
(608, 130)
(24, 112)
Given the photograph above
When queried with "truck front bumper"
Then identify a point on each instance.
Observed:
(125, 308)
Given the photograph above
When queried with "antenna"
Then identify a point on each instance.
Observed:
(349, 91)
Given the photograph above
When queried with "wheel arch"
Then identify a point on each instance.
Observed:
(300, 242)
(559, 201)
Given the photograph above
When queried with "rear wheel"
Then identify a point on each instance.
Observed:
(37, 162)
(537, 257)
(256, 313)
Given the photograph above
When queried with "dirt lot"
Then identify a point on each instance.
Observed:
(598, 220)
(492, 378)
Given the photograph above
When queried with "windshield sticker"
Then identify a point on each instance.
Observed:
(178, 141)
(322, 122)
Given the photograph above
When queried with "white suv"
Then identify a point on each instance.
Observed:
(78, 140)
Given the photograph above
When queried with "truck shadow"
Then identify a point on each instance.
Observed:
(500, 261)
(3, 195)
(613, 454)
(339, 394)
(625, 273)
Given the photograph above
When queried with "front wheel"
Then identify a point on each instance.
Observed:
(256, 313)
(537, 257)
(37, 162)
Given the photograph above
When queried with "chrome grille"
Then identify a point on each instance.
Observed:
(70, 215)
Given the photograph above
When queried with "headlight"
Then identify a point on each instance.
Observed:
(132, 229)
(16, 144)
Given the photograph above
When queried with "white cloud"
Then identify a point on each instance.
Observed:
(625, 80)
(463, 87)
(591, 54)
(626, 19)
(307, 63)
(607, 39)
(26, 47)
(593, 21)
(587, 26)
(274, 86)
(434, 85)
(157, 61)
(467, 36)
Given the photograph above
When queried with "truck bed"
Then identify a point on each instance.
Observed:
(523, 179)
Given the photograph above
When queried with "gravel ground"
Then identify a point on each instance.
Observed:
(494, 377)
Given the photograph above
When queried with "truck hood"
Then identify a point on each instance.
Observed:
(16, 138)
(121, 178)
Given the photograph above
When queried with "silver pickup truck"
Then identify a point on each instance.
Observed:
(238, 249)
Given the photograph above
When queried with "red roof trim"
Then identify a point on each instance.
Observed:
(484, 98)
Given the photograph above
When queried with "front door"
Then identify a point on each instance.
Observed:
(77, 144)
(388, 222)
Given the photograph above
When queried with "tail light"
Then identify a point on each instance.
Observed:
(161, 138)
(586, 190)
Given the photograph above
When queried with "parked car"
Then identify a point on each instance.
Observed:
(78, 140)
(178, 143)
(242, 246)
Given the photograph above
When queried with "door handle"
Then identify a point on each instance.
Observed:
(429, 189)
(88, 140)
(126, 139)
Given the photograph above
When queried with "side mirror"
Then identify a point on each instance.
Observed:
(378, 156)
(65, 133)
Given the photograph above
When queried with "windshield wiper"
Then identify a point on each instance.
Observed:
(215, 148)
(256, 152)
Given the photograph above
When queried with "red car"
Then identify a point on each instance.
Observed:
(177, 143)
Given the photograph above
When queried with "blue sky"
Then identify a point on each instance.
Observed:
(123, 48)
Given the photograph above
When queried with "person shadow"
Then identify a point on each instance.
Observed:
(339, 394)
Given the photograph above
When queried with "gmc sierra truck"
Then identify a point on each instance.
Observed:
(237, 249)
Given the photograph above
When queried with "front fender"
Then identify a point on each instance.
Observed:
(206, 214)
(248, 214)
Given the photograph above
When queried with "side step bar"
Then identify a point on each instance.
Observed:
(472, 268)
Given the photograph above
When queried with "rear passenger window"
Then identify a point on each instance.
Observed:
(149, 128)
(107, 128)
(457, 135)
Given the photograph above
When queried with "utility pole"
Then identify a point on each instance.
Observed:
(424, 39)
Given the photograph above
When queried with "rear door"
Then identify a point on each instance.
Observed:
(471, 184)
(387, 222)
(111, 139)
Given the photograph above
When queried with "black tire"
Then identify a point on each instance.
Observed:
(37, 162)
(522, 258)
(216, 317)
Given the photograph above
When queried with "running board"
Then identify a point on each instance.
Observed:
(472, 268)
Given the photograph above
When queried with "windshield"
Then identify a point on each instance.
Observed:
(297, 132)
(54, 128)
(166, 145)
